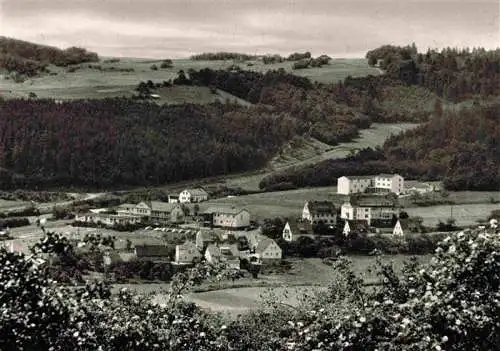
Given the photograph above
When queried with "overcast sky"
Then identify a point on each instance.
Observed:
(178, 28)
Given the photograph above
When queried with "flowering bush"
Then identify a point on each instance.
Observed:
(451, 304)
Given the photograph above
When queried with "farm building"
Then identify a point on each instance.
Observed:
(380, 183)
(193, 195)
(355, 226)
(227, 217)
(320, 211)
(173, 199)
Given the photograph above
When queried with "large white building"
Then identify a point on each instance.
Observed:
(379, 183)
(233, 218)
(371, 208)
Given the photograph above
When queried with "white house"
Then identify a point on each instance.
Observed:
(193, 195)
(320, 211)
(173, 199)
(186, 253)
(379, 183)
(268, 250)
(233, 218)
(398, 229)
(125, 209)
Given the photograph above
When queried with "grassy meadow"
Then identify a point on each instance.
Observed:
(120, 78)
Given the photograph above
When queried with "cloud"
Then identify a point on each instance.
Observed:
(159, 28)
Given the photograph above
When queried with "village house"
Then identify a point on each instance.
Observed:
(193, 195)
(231, 218)
(230, 255)
(294, 229)
(107, 219)
(161, 212)
(186, 253)
(268, 250)
(358, 226)
(320, 211)
(380, 183)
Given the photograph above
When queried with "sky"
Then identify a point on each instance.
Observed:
(179, 28)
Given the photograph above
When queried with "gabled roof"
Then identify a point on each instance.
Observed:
(225, 210)
(213, 250)
(208, 235)
(321, 207)
(161, 206)
(298, 226)
(153, 250)
(263, 245)
(197, 192)
(358, 225)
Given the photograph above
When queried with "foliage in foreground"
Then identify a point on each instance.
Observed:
(453, 304)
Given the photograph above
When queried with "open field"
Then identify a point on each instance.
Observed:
(466, 214)
(113, 79)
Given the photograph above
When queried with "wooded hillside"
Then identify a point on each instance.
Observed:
(121, 142)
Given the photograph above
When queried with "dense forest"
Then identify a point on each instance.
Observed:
(30, 59)
(121, 142)
(460, 147)
(451, 73)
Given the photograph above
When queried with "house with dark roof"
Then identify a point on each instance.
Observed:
(227, 217)
(268, 250)
(295, 228)
(320, 211)
(154, 252)
(358, 226)
(193, 195)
